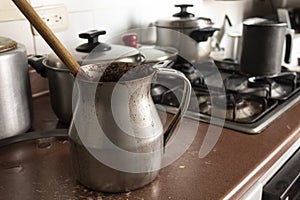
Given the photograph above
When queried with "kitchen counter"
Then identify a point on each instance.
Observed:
(29, 170)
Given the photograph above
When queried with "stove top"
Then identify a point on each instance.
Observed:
(223, 96)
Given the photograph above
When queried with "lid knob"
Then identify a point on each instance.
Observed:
(183, 13)
(93, 42)
(131, 40)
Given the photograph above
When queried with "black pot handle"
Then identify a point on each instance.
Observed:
(183, 11)
(92, 37)
(288, 45)
(36, 61)
(203, 34)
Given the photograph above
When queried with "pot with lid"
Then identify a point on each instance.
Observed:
(60, 78)
(190, 35)
(15, 91)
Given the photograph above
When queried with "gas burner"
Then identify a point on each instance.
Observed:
(238, 109)
(248, 104)
(272, 88)
(235, 82)
(276, 87)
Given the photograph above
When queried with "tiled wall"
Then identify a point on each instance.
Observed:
(114, 16)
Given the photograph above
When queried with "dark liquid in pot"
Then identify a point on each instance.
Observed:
(117, 71)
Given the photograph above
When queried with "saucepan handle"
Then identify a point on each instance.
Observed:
(289, 37)
(186, 95)
(36, 62)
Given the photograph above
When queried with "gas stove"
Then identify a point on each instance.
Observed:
(244, 103)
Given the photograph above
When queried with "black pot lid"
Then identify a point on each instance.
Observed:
(94, 51)
(7, 44)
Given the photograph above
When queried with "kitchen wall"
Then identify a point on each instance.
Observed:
(117, 16)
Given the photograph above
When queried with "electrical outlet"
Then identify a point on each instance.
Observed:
(55, 16)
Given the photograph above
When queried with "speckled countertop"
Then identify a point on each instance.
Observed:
(30, 171)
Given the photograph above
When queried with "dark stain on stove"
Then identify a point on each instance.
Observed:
(44, 145)
(12, 169)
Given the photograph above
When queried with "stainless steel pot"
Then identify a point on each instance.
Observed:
(190, 35)
(233, 45)
(262, 47)
(15, 91)
(116, 135)
(60, 77)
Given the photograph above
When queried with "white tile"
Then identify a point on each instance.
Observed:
(120, 17)
(72, 5)
(9, 11)
(70, 37)
(19, 31)
(113, 21)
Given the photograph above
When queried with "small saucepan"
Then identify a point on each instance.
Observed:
(61, 79)
(190, 35)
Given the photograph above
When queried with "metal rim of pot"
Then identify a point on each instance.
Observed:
(258, 22)
(158, 53)
(7, 44)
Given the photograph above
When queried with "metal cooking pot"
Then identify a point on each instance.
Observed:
(61, 79)
(233, 45)
(116, 135)
(262, 47)
(15, 91)
(178, 31)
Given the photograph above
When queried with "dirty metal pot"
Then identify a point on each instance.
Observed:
(15, 91)
(116, 135)
(190, 35)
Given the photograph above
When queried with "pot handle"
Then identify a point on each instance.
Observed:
(184, 101)
(289, 37)
(203, 34)
(36, 61)
(92, 37)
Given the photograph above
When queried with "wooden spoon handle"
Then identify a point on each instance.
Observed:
(48, 35)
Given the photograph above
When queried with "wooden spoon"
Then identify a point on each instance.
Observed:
(48, 35)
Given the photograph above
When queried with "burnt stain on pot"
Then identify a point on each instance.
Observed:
(140, 108)
(116, 72)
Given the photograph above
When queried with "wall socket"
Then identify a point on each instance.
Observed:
(55, 16)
